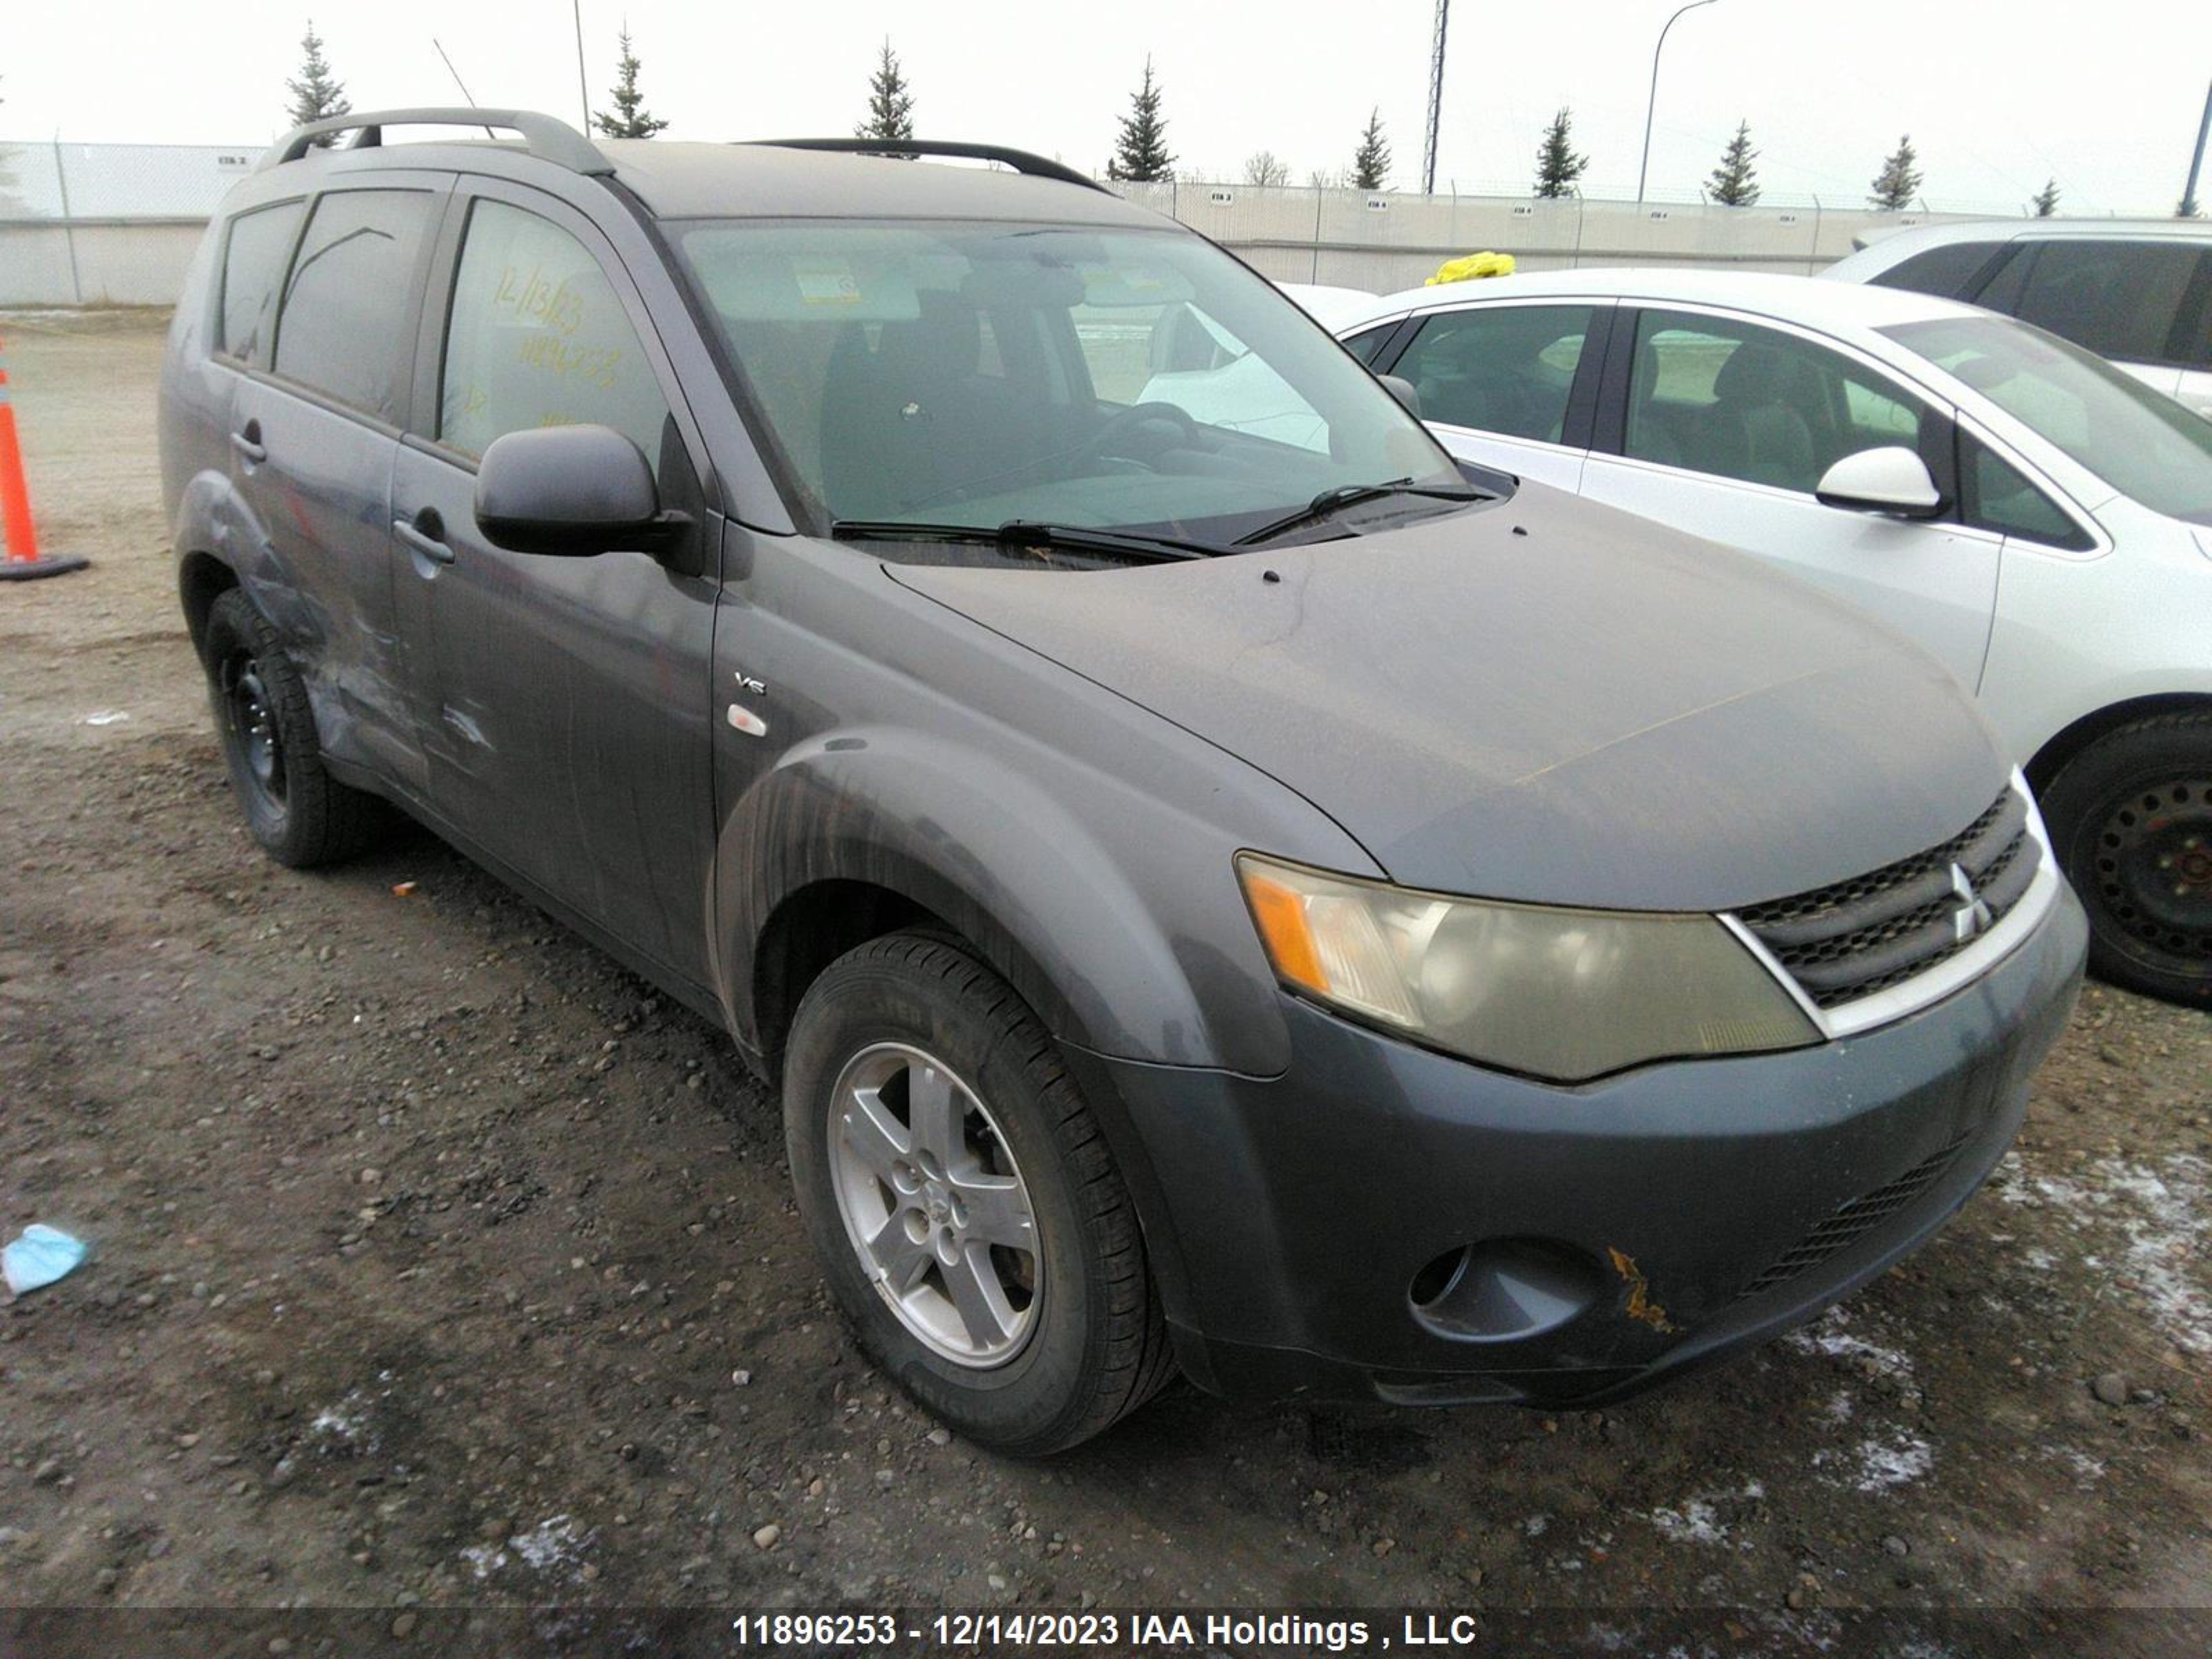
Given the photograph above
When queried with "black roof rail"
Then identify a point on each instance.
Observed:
(1020, 160)
(547, 136)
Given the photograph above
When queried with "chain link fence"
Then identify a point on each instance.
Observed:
(93, 224)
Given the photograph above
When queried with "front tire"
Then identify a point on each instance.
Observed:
(2131, 820)
(300, 814)
(968, 1216)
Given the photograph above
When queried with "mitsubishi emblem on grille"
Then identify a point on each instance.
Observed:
(1972, 916)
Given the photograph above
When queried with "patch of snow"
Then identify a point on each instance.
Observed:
(1706, 1517)
(2165, 1237)
(1693, 1523)
(2162, 1214)
(1827, 1336)
(1878, 1465)
(554, 1544)
(2087, 1470)
(343, 1427)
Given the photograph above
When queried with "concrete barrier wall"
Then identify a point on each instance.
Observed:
(1384, 241)
(96, 262)
(1381, 242)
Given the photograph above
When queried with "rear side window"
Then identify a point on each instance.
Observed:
(538, 336)
(252, 265)
(344, 330)
(1506, 369)
(1946, 271)
(2120, 300)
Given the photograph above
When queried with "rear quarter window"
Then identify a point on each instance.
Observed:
(1950, 272)
(253, 255)
(344, 328)
(2126, 301)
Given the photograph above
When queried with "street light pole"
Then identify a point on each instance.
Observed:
(2188, 209)
(1651, 104)
(583, 88)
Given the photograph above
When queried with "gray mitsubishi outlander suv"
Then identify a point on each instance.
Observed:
(1228, 894)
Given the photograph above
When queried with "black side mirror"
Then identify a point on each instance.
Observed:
(571, 490)
(1405, 391)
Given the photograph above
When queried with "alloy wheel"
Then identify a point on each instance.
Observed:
(934, 1204)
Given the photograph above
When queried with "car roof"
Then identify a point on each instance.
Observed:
(681, 180)
(1909, 238)
(1793, 299)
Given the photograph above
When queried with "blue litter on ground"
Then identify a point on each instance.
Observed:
(39, 1257)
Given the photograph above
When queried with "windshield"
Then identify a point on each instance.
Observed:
(2141, 442)
(977, 374)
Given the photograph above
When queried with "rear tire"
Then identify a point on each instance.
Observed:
(298, 813)
(2131, 820)
(1065, 1337)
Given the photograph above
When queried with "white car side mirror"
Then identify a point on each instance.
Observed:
(1893, 480)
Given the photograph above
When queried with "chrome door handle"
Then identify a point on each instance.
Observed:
(427, 545)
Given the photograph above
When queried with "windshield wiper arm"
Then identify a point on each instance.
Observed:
(1025, 532)
(1332, 500)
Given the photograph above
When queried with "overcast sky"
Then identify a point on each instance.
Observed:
(1997, 94)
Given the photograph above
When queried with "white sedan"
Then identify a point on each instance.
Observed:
(2036, 518)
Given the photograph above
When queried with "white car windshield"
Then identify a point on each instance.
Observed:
(917, 372)
(2140, 442)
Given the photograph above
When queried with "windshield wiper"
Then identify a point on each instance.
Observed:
(1333, 501)
(1026, 532)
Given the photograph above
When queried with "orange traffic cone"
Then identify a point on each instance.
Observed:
(23, 563)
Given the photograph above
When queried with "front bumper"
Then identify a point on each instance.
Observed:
(1624, 1232)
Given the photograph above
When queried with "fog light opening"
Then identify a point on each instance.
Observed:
(1504, 1290)
(1434, 1282)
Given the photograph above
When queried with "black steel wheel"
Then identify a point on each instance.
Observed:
(2131, 815)
(298, 813)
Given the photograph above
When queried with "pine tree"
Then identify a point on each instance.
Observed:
(890, 103)
(1558, 165)
(2187, 208)
(1370, 162)
(2045, 201)
(631, 120)
(317, 96)
(1899, 181)
(1142, 155)
(1735, 181)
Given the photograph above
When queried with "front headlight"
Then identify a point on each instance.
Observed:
(1556, 993)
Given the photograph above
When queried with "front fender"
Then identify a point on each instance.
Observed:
(1018, 873)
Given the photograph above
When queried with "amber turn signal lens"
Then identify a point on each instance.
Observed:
(1280, 915)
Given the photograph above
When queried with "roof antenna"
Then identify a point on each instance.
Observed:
(462, 84)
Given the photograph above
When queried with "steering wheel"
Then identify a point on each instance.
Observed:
(1126, 421)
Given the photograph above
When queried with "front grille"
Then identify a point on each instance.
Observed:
(1854, 939)
(1851, 1222)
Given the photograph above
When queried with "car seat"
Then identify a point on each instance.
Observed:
(1757, 427)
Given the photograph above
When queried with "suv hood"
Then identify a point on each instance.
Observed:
(1544, 699)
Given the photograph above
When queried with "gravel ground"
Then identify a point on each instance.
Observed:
(441, 1265)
